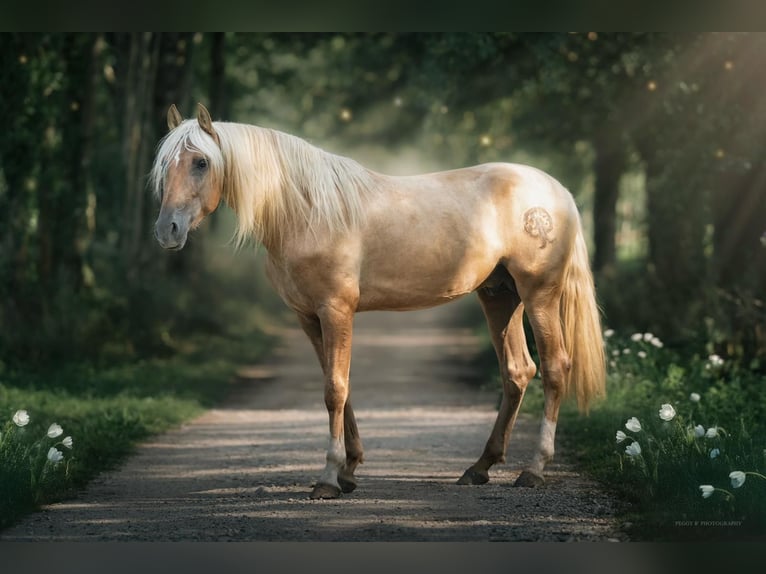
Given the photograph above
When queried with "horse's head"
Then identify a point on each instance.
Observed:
(187, 176)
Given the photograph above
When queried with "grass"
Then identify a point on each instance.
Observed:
(662, 483)
(661, 487)
(106, 411)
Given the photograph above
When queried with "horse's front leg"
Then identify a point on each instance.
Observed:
(353, 442)
(336, 322)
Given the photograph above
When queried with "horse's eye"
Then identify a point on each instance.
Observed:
(202, 163)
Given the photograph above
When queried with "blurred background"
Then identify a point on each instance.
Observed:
(659, 137)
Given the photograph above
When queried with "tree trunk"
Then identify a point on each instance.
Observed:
(609, 166)
(218, 102)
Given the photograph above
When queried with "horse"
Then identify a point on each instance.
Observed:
(343, 239)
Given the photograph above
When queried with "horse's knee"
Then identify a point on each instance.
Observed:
(335, 393)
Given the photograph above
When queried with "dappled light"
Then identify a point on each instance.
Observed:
(599, 197)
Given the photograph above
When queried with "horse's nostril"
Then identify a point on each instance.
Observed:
(173, 228)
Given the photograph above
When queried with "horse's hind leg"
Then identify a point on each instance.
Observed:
(352, 441)
(543, 307)
(504, 313)
(354, 450)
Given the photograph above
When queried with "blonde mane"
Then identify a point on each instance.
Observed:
(275, 183)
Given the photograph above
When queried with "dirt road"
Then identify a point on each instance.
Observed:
(244, 471)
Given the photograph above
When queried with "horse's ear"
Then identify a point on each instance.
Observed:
(206, 123)
(174, 117)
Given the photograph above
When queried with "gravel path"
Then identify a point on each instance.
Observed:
(243, 471)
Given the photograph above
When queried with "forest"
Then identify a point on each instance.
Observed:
(660, 137)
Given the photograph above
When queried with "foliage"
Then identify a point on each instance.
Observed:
(718, 427)
(106, 411)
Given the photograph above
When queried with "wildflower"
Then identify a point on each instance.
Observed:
(714, 453)
(656, 343)
(714, 361)
(609, 333)
(667, 412)
(636, 337)
(737, 478)
(616, 353)
(620, 436)
(707, 490)
(55, 430)
(695, 397)
(626, 351)
(699, 431)
(633, 424)
(55, 455)
(648, 337)
(21, 418)
(712, 432)
(67, 442)
(633, 449)
(641, 354)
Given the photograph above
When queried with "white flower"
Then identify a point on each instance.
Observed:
(712, 432)
(609, 333)
(699, 431)
(656, 342)
(737, 478)
(55, 430)
(626, 351)
(21, 418)
(616, 353)
(667, 412)
(707, 490)
(641, 354)
(620, 436)
(633, 424)
(695, 397)
(67, 442)
(633, 449)
(648, 337)
(55, 455)
(636, 337)
(714, 361)
(714, 453)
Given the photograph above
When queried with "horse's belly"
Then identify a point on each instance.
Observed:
(411, 286)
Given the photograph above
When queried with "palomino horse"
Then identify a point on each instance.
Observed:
(343, 239)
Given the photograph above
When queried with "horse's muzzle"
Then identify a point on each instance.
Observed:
(171, 231)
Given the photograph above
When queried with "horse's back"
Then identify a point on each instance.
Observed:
(438, 236)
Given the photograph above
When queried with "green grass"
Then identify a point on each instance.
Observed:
(662, 485)
(106, 410)
(660, 489)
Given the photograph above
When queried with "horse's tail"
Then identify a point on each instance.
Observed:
(581, 324)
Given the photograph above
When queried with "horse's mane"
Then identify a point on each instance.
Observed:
(275, 183)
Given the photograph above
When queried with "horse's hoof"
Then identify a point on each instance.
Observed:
(347, 484)
(322, 490)
(529, 480)
(473, 476)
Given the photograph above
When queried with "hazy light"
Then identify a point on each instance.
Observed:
(651, 85)
(346, 115)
